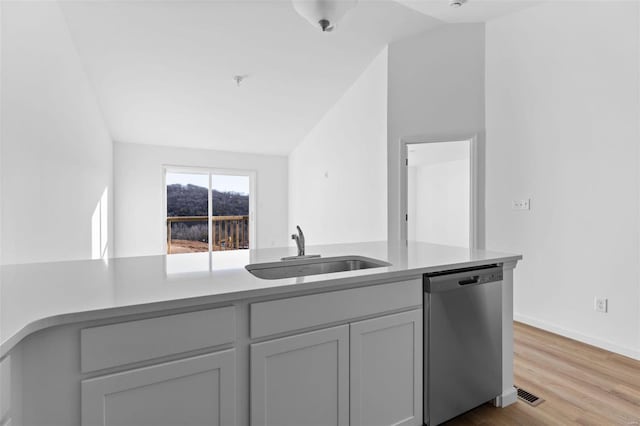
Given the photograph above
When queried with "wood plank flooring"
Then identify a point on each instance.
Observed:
(580, 384)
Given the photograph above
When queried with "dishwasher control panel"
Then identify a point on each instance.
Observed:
(455, 279)
(494, 276)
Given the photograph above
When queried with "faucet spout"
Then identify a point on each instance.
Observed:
(299, 241)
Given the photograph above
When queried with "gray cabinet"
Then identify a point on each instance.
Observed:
(258, 363)
(386, 370)
(301, 380)
(365, 373)
(5, 391)
(193, 391)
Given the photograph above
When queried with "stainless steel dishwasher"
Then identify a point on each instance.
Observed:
(462, 341)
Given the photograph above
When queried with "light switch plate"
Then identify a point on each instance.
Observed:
(521, 204)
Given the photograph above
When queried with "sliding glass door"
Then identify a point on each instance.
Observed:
(208, 210)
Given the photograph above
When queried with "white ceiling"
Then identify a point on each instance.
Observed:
(472, 11)
(163, 70)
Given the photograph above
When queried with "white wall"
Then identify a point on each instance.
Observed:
(337, 175)
(139, 193)
(439, 193)
(56, 153)
(436, 88)
(1, 125)
(562, 104)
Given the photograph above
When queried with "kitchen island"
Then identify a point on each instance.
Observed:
(196, 339)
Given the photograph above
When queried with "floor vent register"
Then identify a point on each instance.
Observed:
(528, 397)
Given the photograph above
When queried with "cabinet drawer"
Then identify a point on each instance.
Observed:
(295, 313)
(126, 342)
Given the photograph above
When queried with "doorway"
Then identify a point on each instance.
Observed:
(440, 192)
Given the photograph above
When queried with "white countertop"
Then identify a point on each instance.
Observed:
(37, 296)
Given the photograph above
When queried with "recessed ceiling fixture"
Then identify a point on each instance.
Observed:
(323, 14)
(456, 3)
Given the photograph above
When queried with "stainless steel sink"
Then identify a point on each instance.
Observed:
(303, 267)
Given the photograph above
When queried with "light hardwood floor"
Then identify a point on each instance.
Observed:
(580, 384)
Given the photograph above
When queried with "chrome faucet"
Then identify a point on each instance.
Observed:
(299, 237)
(299, 241)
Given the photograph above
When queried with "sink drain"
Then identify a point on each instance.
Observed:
(528, 397)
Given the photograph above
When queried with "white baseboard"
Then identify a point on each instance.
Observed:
(571, 334)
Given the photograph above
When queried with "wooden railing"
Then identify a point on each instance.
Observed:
(228, 232)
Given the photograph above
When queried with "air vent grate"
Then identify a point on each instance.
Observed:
(528, 397)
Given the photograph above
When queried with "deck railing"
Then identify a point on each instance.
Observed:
(228, 232)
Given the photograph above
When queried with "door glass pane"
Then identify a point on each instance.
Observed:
(187, 212)
(230, 220)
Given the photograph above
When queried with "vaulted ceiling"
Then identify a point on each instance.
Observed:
(163, 70)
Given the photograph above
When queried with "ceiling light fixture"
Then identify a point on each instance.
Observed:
(456, 3)
(323, 14)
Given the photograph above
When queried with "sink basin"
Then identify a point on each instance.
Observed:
(303, 267)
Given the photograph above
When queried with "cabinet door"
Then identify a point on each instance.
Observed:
(195, 391)
(301, 380)
(386, 370)
(5, 391)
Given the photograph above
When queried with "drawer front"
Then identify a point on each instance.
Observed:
(295, 313)
(133, 341)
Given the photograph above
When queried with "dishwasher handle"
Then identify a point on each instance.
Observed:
(470, 280)
(461, 279)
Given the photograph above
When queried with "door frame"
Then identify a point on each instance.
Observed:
(473, 174)
(251, 174)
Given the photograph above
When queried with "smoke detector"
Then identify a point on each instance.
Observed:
(239, 79)
(456, 3)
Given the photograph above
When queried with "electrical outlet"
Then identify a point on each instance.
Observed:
(601, 304)
(521, 204)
